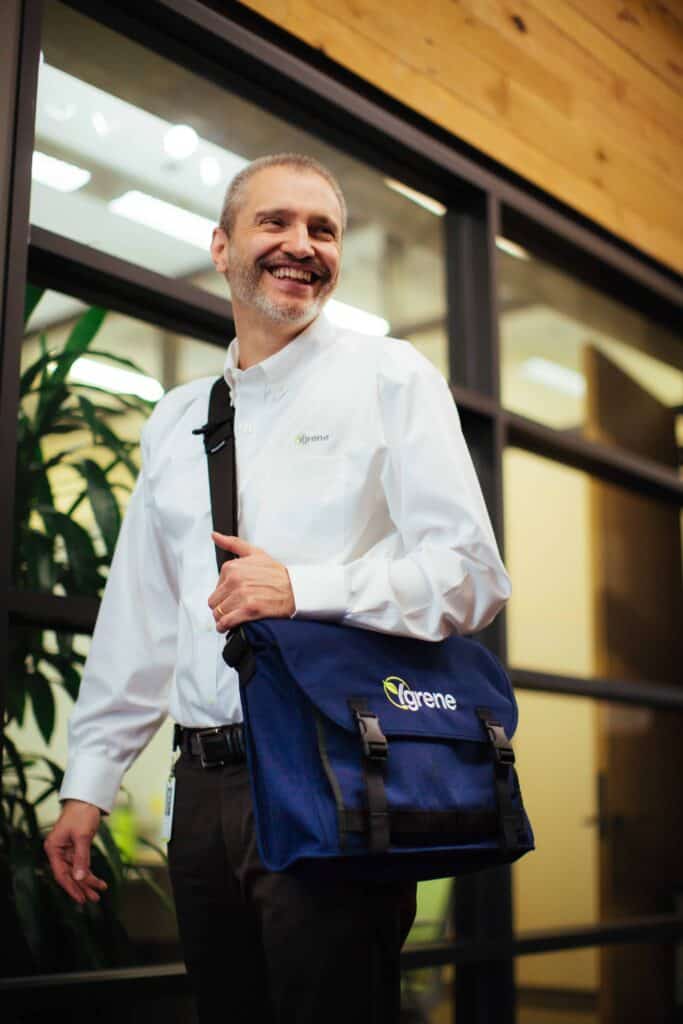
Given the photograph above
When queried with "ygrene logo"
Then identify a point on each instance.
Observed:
(398, 693)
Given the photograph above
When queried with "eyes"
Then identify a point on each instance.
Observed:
(322, 231)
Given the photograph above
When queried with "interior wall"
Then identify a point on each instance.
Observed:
(581, 98)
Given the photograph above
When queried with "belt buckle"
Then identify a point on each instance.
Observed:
(208, 739)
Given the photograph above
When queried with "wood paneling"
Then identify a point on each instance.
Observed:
(583, 99)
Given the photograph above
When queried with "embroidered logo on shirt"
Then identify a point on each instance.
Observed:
(398, 693)
(304, 439)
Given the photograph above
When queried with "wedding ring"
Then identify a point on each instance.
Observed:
(220, 611)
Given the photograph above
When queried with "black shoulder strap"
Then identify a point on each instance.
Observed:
(219, 445)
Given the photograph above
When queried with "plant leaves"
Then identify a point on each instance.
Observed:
(32, 297)
(26, 892)
(104, 505)
(82, 560)
(43, 701)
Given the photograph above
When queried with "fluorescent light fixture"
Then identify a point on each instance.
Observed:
(210, 171)
(552, 375)
(115, 378)
(57, 173)
(356, 319)
(511, 248)
(426, 202)
(164, 217)
(180, 141)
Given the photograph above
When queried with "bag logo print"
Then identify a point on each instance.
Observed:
(398, 693)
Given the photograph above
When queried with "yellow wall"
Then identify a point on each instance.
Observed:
(581, 97)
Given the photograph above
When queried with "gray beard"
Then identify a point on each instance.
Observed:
(244, 285)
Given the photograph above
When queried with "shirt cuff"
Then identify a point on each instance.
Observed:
(320, 591)
(92, 779)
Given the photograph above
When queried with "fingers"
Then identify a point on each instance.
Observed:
(234, 544)
(68, 851)
(88, 888)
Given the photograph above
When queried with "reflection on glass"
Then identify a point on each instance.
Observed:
(137, 164)
(581, 362)
(44, 676)
(78, 443)
(596, 572)
(596, 777)
(550, 990)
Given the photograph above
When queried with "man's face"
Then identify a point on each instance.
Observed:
(284, 252)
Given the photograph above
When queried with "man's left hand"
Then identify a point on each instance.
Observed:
(252, 586)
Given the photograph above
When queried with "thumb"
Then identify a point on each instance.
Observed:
(234, 544)
(81, 863)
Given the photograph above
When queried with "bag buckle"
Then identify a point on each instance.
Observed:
(213, 747)
(375, 746)
(502, 747)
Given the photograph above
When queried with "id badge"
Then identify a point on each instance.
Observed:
(169, 803)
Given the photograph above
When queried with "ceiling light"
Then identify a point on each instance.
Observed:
(511, 248)
(114, 378)
(100, 123)
(180, 141)
(356, 319)
(165, 217)
(553, 375)
(210, 171)
(57, 173)
(61, 114)
(426, 202)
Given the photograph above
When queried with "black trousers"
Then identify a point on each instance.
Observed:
(267, 947)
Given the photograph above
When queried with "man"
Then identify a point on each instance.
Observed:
(357, 503)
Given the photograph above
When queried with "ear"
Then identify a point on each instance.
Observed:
(219, 250)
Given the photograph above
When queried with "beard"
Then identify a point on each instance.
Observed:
(245, 285)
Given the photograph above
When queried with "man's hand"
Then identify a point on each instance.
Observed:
(68, 850)
(252, 586)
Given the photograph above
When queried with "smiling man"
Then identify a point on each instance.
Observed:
(358, 503)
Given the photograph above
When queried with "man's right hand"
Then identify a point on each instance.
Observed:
(68, 850)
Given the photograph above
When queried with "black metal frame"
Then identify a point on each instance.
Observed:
(246, 54)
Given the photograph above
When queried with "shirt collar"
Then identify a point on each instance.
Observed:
(278, 371)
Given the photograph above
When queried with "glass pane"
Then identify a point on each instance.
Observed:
(581, 362)
(427, 996)
(84, 445)
(45, 669)
(111, 147)
(598, 783)
(596, 575)
(581, 987)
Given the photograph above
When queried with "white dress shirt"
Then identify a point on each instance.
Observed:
(352, 471)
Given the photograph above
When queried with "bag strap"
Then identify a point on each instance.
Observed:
(510, 820)
(375, 751)
(219, 444)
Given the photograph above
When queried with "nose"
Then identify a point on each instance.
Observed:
(298, 242)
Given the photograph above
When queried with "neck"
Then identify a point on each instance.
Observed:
(260, 337)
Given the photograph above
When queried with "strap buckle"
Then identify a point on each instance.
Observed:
(503, 753)
(375, 746)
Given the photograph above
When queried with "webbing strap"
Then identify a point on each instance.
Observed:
(219, 445)
(511, 823)
(375, 752)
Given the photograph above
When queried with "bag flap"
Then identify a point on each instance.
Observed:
(416, 688)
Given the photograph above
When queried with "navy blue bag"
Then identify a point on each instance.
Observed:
(376, 756)
(370, 756)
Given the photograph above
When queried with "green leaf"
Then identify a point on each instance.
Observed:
(391, 687)
(32, 297)
(82, 560)
(104, 504)
(43, 702)
(38, 552)
(100, 431)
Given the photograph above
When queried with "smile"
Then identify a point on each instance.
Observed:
(293, 274)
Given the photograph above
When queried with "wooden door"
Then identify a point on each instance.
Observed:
(638, 608)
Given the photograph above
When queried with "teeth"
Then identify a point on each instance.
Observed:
(295, 274)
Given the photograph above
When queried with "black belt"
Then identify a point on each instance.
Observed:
(214, 747)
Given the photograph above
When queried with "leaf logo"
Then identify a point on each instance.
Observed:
(394, 690)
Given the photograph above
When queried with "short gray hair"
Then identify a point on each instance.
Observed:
(234, 197)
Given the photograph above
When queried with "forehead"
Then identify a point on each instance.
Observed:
(303, 191)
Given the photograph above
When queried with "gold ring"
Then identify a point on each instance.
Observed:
(220, 611)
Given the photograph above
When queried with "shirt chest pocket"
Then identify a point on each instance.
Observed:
(300, 510)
